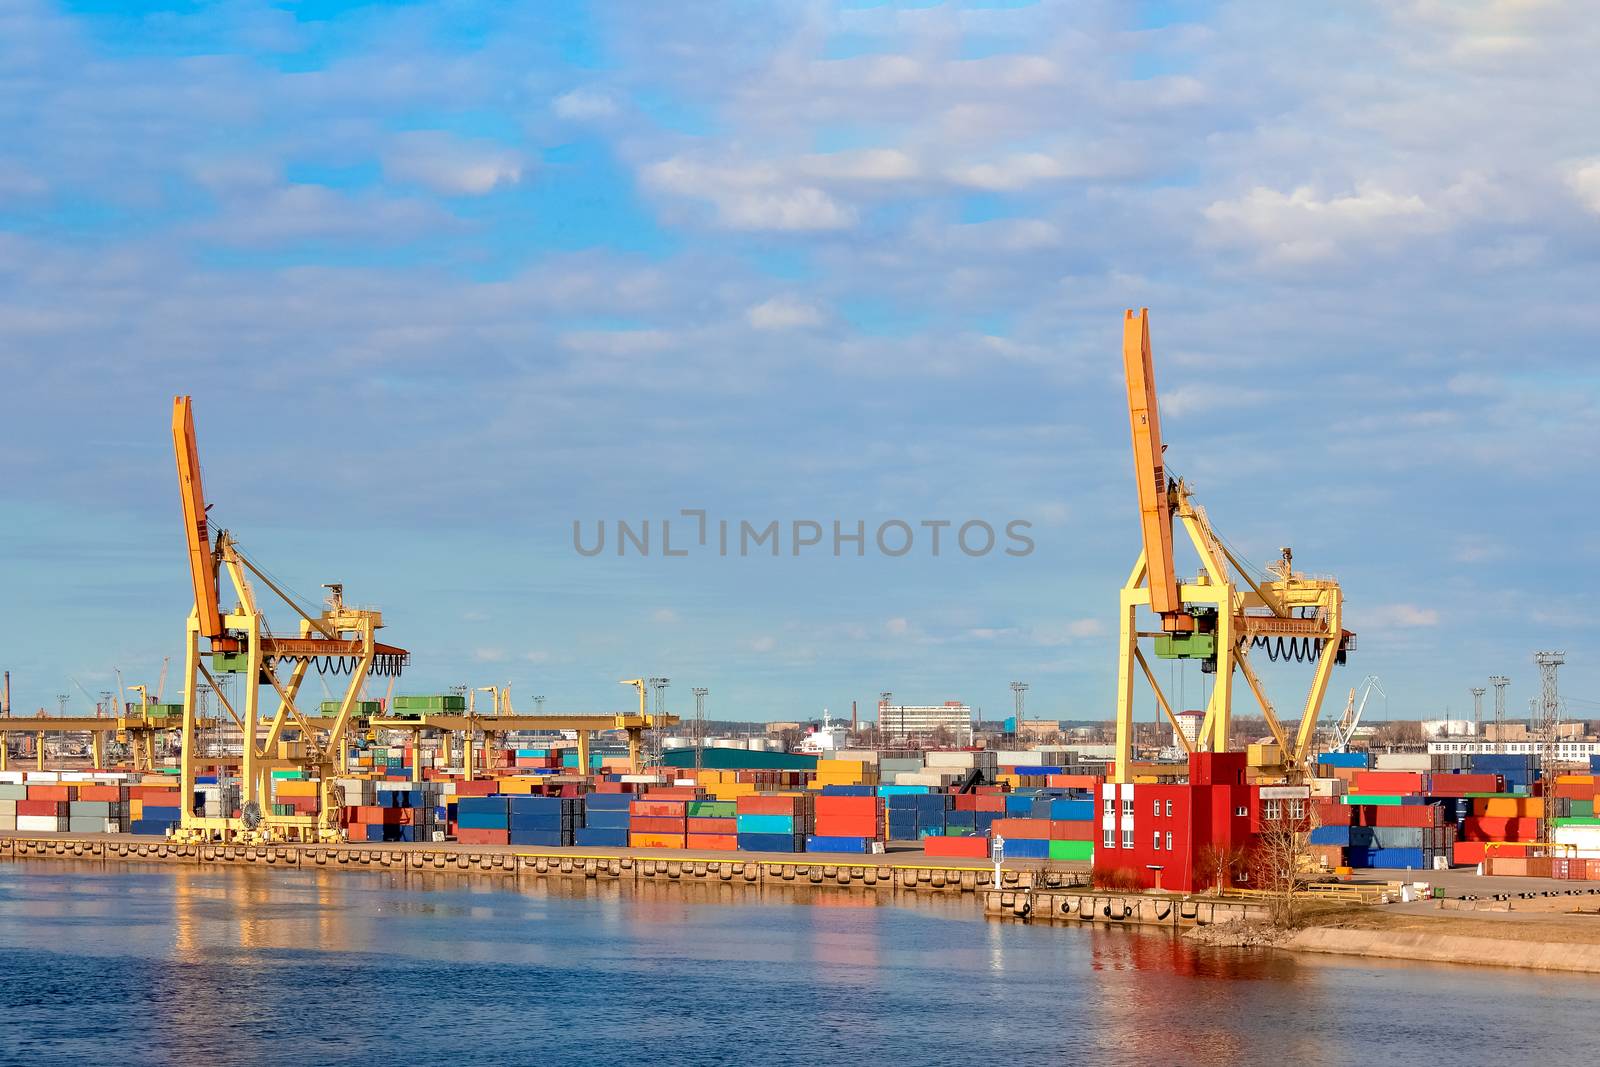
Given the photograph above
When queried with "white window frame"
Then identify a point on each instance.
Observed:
(1169, 840)
(1169, 809)
(1156, 844)
(1241, 812)
(1158, 809)
(1127, 837)
(1127, 806)
(1110, 838)
(1110, 806)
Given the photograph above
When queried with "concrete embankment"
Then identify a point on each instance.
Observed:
(881, 873)
(1517, 948)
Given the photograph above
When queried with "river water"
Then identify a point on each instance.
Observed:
(159, 965)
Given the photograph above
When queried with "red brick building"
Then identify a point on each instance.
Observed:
(1160, 831)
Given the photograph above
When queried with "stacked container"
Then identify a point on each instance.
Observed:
(851, 824)
(713, 825)
(606, 820)
(657, 821)
(773, 823)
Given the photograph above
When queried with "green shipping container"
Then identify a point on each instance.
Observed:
(1374, 800)
(1582, 807)
(437, 702)
(713, 809)
(1578, 820)
(363, 707)
(1076, 851)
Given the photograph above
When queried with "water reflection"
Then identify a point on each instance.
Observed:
(465, 968)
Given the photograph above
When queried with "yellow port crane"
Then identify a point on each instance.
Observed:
(1220, 615)
(338, 640)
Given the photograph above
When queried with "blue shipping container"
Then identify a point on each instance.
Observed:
(770, 843)
(852, 845)
(601, 837)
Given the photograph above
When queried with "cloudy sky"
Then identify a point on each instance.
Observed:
(446, 278)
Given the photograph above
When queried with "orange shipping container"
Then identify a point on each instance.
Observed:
(656, 840)
(712, 826)
(102, 792)
(1027, 829)
(714, 842)
(52, 792)
(647, 824)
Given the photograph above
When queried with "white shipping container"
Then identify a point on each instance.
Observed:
(41, 824)
(8, 822)
(11, 777)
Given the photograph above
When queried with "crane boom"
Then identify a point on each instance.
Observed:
(1155, 505)
(202, 565)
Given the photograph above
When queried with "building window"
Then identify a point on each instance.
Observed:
(1127, 806)
(1169, 842)
(1272, 810)
(1169, 809)
(1127, 838)
(1241, 811)
(1158, 808)
(1297, 809)
(1110, 806)
(1157, 842)
(1111, 838)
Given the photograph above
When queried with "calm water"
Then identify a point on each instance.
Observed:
(154, 965)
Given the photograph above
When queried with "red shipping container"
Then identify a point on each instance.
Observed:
(1422, 815)
(102, 792)
(991, 802)
(673, 792)
(52, 792)
(850, 826)
(699, 825)
(477, 789)
(1389, 783)
(1074, 830)
(713, 842)
(1029, 829)
(655, 824)
(1467, 853)
(849, 806)
(483, 837)
(1494, 828)
(759, 805)
(660, 809)
(56, 808)
(976, 848)
(1459, 785)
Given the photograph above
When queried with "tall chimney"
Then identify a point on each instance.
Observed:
(5, 696)
(855, 724)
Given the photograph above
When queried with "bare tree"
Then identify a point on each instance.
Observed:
(1398, 735)
(1221, 864)
(1281, 860)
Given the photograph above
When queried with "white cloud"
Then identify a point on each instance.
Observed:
(867, 164)
(1584, 180)
(664, 615)
(898, 626)
(788, 209)
(452, 165)
(488, 655)
(1011, 172)
(783, 313)
(584, 105)
(1397, 616)
(763, 644)
(750, 196)
(1301, 226)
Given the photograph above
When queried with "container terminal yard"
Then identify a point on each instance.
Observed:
(1187, 828)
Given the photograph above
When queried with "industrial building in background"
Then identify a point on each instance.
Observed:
(922, 725)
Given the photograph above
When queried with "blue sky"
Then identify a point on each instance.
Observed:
(445, 278)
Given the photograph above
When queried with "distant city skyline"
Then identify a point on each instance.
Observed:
(444, 284)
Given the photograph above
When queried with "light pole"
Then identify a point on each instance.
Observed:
(699, 728)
